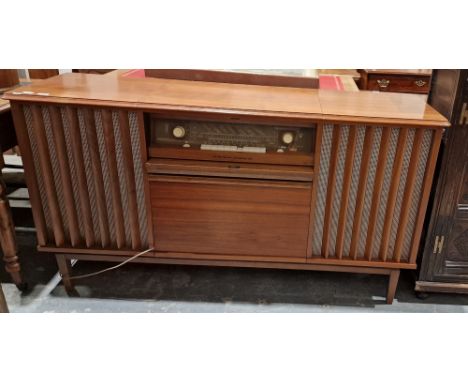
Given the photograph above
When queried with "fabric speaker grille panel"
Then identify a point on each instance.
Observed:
(65, 116)
(373, 167)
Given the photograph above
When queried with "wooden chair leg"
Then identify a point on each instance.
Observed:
(392, 285)
(8, 239)
(3, 304)
(65, 269)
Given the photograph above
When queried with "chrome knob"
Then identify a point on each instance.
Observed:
(178, 132)
(287, 138)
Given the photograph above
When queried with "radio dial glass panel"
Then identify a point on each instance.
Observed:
(223, 136)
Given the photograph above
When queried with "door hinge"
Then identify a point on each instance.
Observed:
(438, 244)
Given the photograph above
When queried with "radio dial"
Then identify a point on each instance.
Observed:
(178, 132)
(287, 138)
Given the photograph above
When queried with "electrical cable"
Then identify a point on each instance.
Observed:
(110, 268)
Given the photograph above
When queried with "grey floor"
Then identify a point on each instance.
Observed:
(167, 288)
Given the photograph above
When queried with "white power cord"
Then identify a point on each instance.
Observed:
(111, 268)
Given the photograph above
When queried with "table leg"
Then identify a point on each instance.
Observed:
(65, 269)
(392, 285)
(8, 239)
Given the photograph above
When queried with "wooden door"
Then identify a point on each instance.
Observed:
(450, 248)
(234, 217)
(446, 250)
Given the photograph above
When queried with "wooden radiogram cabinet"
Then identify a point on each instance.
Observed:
(445, 261)
(226, 174)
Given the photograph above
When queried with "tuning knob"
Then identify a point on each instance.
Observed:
(287, 138)
(178, 132)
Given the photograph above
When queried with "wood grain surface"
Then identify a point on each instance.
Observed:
(163, 94)
(230, 217)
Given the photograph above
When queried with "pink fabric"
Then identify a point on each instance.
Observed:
(330, 82)
(135, 73)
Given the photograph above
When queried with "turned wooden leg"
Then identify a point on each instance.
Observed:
(8, 239)
(392, 285)
(65, 269)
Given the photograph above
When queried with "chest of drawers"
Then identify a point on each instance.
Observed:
(396, 80)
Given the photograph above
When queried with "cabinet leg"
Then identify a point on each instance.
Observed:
(8, 239)
(65, 269)
(3, 304)
(392, 285)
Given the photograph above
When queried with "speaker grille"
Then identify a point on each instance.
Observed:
(100, 192)
(39, 175)
(374, 197)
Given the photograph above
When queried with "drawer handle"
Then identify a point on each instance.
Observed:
(463, 207)
(420, 83)
(383, 83)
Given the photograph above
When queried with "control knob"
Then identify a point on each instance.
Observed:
(178, 132)
(287, 138)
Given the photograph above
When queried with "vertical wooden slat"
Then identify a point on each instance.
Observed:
(64, 168)
(130, 179)
(109, 140)
(408, 193)
(93, 146)
(393, 192)
(318, 150)
(336, 137)
(426, 190)
(144, 158)
(348, 172)
(47, 175)
(363, 174)
(78, 159)
(30, 173)
(378, 183)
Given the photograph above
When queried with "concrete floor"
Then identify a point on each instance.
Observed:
(167, 288)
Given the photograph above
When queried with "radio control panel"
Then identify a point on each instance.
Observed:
(231, 137)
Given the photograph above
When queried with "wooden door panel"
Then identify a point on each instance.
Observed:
(453, 258)
(446, 252)
(457, 248)
(463, 194)
(230, 217)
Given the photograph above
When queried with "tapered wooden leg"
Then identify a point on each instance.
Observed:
(65, 269)
(392, 285)
(3, 304)
(8, 239)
